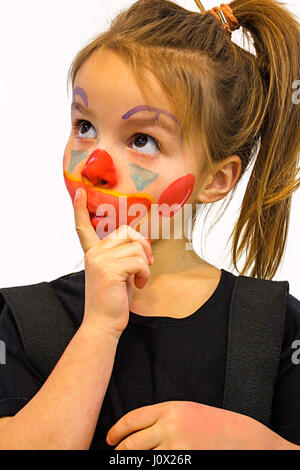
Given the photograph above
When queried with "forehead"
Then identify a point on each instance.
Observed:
(105, 74)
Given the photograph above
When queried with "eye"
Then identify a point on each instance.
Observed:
(81, 125)
(143, 141)
(81, 128)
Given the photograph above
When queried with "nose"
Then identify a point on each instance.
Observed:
(100, 170)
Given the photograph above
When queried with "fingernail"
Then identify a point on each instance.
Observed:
(77, 194)
(152, 259)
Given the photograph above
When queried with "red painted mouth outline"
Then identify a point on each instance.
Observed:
(96, 196)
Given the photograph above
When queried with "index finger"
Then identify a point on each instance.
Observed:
(84, 228)
(125, 232)
(134, 420)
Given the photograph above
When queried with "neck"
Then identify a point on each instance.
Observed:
(173, 256)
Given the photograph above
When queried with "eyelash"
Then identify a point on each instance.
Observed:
(77, 123)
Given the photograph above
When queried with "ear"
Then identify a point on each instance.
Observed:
(217, 185)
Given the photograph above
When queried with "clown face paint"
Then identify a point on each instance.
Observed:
(141, 176)
(175, 195)
(157, 111)
(105, 163)
(80, 91)
(99, 169)
(76, 157)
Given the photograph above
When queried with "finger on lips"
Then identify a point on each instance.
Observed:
(84, 228)
(88, 236)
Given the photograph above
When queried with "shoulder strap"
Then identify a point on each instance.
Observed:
(43, 323)
(255, 332)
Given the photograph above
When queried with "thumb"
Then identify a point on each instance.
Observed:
(85, 230)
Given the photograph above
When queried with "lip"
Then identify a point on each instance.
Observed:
(95, 220)
(93, 214)
(94, 200)
(100, 217)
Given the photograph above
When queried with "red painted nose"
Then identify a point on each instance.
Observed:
(100, 170)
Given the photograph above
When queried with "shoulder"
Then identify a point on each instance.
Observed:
(293, 311)
(19, 380)
(68, 289)
(36, 320)
(290, 348)
(292, 320)
(285, 417)
(291, 335)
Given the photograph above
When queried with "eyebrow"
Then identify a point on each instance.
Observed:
(153, 120)
(80, 91)
(81, 108)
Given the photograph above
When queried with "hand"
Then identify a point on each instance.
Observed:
(187, 425)
(110, 265)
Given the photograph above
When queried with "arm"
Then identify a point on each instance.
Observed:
(283, 444)
(64, 412)
(175, 425)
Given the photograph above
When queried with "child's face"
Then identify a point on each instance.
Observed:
(118, 158)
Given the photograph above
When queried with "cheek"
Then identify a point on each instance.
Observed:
(142, 177)
(72, 158)
(177, 194)
(71, 187)
(65, 159)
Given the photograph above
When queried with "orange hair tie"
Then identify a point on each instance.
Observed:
(225, 14)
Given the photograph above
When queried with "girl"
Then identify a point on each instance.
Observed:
(167, 114)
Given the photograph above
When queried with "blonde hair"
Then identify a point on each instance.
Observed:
(235, 102)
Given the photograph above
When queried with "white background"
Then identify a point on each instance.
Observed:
(38, 41)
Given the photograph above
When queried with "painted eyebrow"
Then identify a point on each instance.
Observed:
(81, 108)
(80, 91)
(154, 120)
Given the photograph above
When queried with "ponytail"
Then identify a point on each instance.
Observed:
(266, 205)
